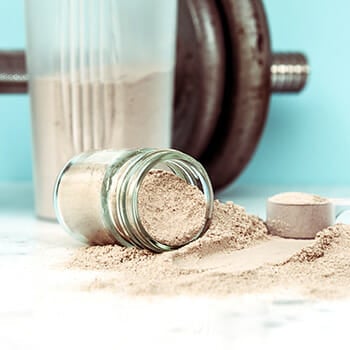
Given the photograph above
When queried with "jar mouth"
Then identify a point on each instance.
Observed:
(180, 165)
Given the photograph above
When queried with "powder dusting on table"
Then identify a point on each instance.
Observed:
(324, 240)
(321, 270)
(237, 255)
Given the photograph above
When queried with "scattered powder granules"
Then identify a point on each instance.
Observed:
(171, 211)
(144, 272)
(235, 256)
(231, 229)
(321, 270)
(324, 240)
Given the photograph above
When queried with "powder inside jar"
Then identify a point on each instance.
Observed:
(171, 210)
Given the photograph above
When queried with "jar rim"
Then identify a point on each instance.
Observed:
(176, 161)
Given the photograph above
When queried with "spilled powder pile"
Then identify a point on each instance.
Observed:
(235, 256)
(317, 268)
(330, 237)
(171, 211)
(231, 229)
(320, 270)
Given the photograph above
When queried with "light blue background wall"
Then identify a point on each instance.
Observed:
(307, 138)
(15, 152)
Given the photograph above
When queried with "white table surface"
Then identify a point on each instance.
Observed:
(42, 306)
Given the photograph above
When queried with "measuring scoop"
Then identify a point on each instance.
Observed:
(302, 215)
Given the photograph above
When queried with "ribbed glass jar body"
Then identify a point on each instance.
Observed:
(96, 194)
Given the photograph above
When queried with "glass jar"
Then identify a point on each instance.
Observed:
(96, 194)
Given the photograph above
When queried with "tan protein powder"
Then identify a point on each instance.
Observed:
(171, 211)
(298, 198)
(237, 255)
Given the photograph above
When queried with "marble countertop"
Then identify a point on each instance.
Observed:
(42, 306)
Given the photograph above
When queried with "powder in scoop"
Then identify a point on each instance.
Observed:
(297, 198)
(171, 210)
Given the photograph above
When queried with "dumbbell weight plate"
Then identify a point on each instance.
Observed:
(247, 90)
(200, 75)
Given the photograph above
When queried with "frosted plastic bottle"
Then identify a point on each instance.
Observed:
(101, 76)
